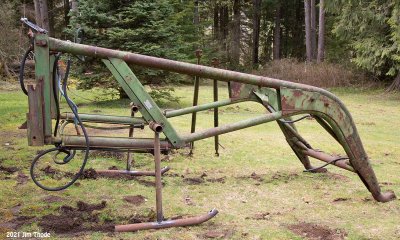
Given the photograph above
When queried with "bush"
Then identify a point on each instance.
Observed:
(323, 75)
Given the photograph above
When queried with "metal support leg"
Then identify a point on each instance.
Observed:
(157, 163)
(129, 160)
(195, 100)
(160, 223)
(215, 63)
(129, 157)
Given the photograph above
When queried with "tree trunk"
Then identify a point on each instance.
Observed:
(38, 15)
(196, 18)
(44, 11)
(395, 86)
(51, 6)
(313, 19)
(307, 14)
(277, 33)
(298, 32)
(66, 11)
(216, 27)
(321, 32)
(223, 25)
(42, 15)
(235, 56)
(256, 30)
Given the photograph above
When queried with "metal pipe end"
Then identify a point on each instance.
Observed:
(134, 107)
(156, 127)
(385, 197)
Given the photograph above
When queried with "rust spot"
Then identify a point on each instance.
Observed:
(236, 89)
(297, 93)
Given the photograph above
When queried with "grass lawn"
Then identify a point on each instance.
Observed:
(256, 183)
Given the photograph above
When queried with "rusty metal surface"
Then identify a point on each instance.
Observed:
(342, 125)
(112, 142)
(166, 224)
(157, 170)
(287, 99)
(35, 115)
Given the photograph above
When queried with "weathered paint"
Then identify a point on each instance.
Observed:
(282, 98)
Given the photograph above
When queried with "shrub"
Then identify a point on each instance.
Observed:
(320, 75)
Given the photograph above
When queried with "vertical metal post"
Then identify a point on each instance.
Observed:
(215, 63)
(229, 89)
(157, 161)
(198, 53)
(129, 159)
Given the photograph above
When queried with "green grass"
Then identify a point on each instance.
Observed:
(287, 194)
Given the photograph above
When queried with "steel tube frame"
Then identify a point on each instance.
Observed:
(203, 107)
(160, 223)
(168, 223)
(232, 127)
(96, 118)
(288, 99)
(71, 141)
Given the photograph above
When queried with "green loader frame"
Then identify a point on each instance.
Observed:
(282, 100)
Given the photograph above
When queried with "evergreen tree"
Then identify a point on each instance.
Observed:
(372, 28)
(159, 28)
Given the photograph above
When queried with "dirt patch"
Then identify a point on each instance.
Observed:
(254, 176)
(17, 222)
(52, 199)
(22, 178)
(283, 177)
(75, 220)
(193, 181)
(340, 200)
(49, 170)
(107, 154)
(135, 200)
(336, 176)
(314, 231)
(8, 170)
(216, 180)
(89, 174)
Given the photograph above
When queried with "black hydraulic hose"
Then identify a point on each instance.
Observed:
(22, 69)
(293, 121)
(328, 163)
(55, 92)
(59, 148)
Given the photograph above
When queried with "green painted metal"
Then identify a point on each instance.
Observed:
(203, 107)
(104, 119)
(42, 73)
(232, 127)
(282, 98)
(136, 92)
(52, 100)
(120, 143)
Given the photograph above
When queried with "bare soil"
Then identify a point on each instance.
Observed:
(317, 232)
(8, 170)
(52, 199)
(135, 200)
(22, 178)
(341, 200)
(74, 220)
(193, 181)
